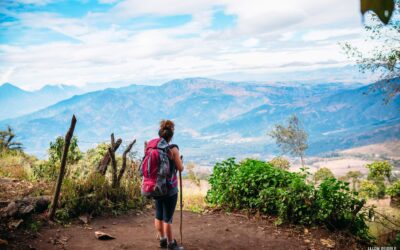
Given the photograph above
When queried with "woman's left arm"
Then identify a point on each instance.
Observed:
(177, 159)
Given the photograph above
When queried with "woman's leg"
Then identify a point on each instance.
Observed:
(158, 224)
(158, 220)
(168, 231)
(169, 205)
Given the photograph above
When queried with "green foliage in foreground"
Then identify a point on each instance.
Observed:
(394, 190)
(96, 196)
(258, 186)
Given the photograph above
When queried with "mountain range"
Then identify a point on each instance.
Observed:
(217, 119)
(16, 102)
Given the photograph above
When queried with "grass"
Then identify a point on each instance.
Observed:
(16, 165)
(386, 232)
(194, 196)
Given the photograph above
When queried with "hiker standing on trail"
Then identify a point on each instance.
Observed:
(159, 170)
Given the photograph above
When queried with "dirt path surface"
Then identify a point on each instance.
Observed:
(208, 231)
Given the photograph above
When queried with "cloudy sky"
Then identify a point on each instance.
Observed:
(80, 42)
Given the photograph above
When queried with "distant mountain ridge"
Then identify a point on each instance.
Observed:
(217, 119)
(17, 102)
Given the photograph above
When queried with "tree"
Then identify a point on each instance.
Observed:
(378, 173)
(280, 162)
(56, 150)
(354, 176)
(379, 169)
(191, 173)
(384, 58)
(292, 138)
(368, 189)
(394, 190)
(7, 142)
(322, 174)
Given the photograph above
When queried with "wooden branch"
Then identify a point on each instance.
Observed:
(114, 167)
(122, 170)
(68, 137)
(112, 141)
(102, 168)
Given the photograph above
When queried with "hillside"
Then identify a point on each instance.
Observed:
(218, 119)
(20, 102)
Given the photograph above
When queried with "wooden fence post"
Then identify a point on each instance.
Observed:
(67, 141)
(123, 167)
(102, 167)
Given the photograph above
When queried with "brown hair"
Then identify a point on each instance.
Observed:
(167, 128)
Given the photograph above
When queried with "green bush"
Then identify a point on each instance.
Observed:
(394, 190)
(16, 164)
(258, 186)
(280, 162)
(322, 174)
(96, 196)
(368, 189)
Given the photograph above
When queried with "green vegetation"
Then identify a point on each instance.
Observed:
(384, 58)
(84, 190)
(95, 195)
(394, 189)
(280, 162)
(379, 172)
(7, 142)
(354, 176)
(191, 175)
(322, 174)
(255, 185)
(292, 138)
(368, 189)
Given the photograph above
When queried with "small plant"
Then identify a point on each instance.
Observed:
(280, 162)
(322, 174)
(7, 142)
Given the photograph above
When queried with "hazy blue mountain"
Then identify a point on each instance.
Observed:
(16, 102)
(341, 120)
(217, 119)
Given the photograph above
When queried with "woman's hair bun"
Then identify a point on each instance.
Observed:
(167, 125)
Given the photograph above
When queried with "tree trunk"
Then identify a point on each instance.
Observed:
(68, 137)
(102, 168)
(114, 167)
(122, 170)
(302, 160)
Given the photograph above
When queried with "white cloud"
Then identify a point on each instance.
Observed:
(251, 42)
(265, 38)
(318, 35)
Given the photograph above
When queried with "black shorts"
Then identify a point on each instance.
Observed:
(165, 208)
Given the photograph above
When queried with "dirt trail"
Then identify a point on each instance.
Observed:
(209, 231)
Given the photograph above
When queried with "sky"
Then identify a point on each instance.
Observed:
(117, 42)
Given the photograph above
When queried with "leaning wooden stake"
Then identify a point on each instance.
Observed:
(68, 137)
(181, 203)
(102, 167)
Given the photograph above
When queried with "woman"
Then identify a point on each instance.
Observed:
(165, 206)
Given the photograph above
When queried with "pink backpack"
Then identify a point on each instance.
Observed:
(156, 170)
